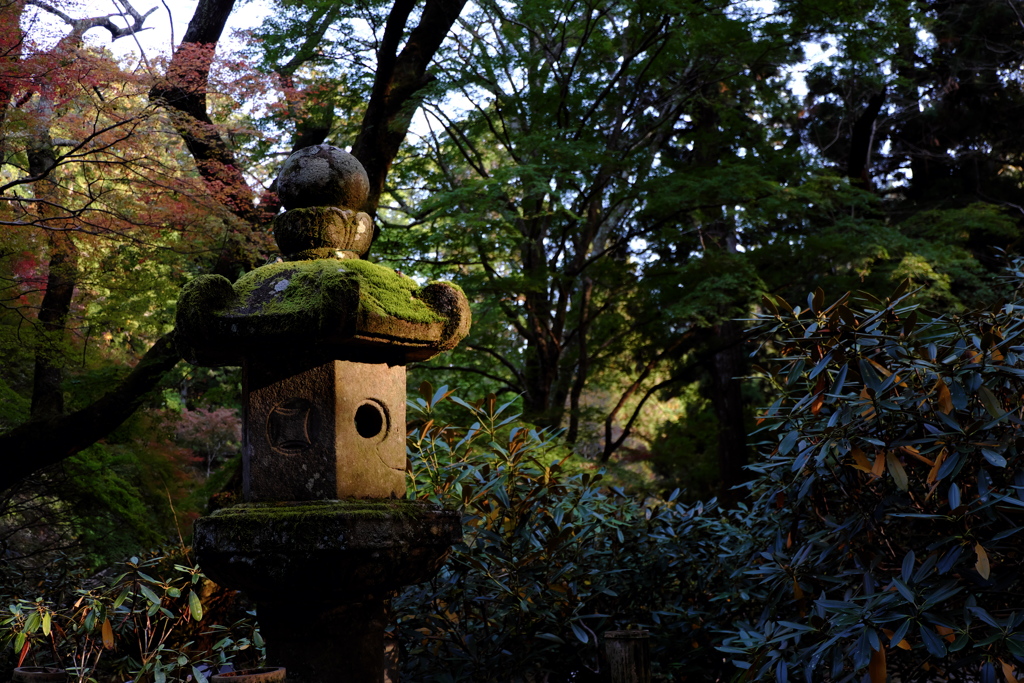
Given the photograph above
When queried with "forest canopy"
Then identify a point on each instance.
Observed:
(616, 184)
(645, 201)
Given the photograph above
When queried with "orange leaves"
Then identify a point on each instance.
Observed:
(819, 399)
(876, 669)
(869, 412)
(903, 644)
(107, 633)
(933, 473)
(860, 461)
(982, 564)
(945, 398)
(879, 465)
(1009, 672)
(889, 461)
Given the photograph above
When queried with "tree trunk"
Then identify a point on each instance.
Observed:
(726, 368)
(50, 351)
(48, 376)
(183, 93)
(397, 87)
(728, 364)
(862, 141)
(582, 361)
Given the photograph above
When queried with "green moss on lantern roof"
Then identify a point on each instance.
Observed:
(296, 286)
(345, 308)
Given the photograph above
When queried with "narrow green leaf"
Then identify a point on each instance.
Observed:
(895, 467)
(121, 598)
(990, 401)
(788, 442)
(195, 606)
(150, 595)
(32, 622)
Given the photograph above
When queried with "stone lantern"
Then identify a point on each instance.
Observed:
(324, 535)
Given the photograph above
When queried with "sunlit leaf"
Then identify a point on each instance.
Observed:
(195, 607)
(150, 595)
(107, 634)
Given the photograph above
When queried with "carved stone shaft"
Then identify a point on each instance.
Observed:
(327, 430)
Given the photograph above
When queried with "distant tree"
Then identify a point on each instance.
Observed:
(214, 433)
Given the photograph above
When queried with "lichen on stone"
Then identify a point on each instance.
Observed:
(317, 228)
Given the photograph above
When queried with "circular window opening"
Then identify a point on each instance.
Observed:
(370, 420)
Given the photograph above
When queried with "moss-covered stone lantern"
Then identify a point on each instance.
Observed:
(323, 338)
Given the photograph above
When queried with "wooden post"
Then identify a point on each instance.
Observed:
(629, 656)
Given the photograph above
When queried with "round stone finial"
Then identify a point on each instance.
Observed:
(322, 175)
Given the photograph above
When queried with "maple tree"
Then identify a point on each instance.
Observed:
(150, 200)
(87, 172)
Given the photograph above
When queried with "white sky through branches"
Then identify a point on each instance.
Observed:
(170, 20)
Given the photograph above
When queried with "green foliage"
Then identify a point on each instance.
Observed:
(889, 496)
(133, 491)
(550, 560)
(149, 622)
(684, 452)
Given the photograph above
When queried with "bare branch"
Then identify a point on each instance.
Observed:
(80, 26)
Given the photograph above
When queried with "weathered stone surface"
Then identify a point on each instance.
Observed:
(336, 550)
(323, 232)
(322, 175)
(350, 310)
(322, 430)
